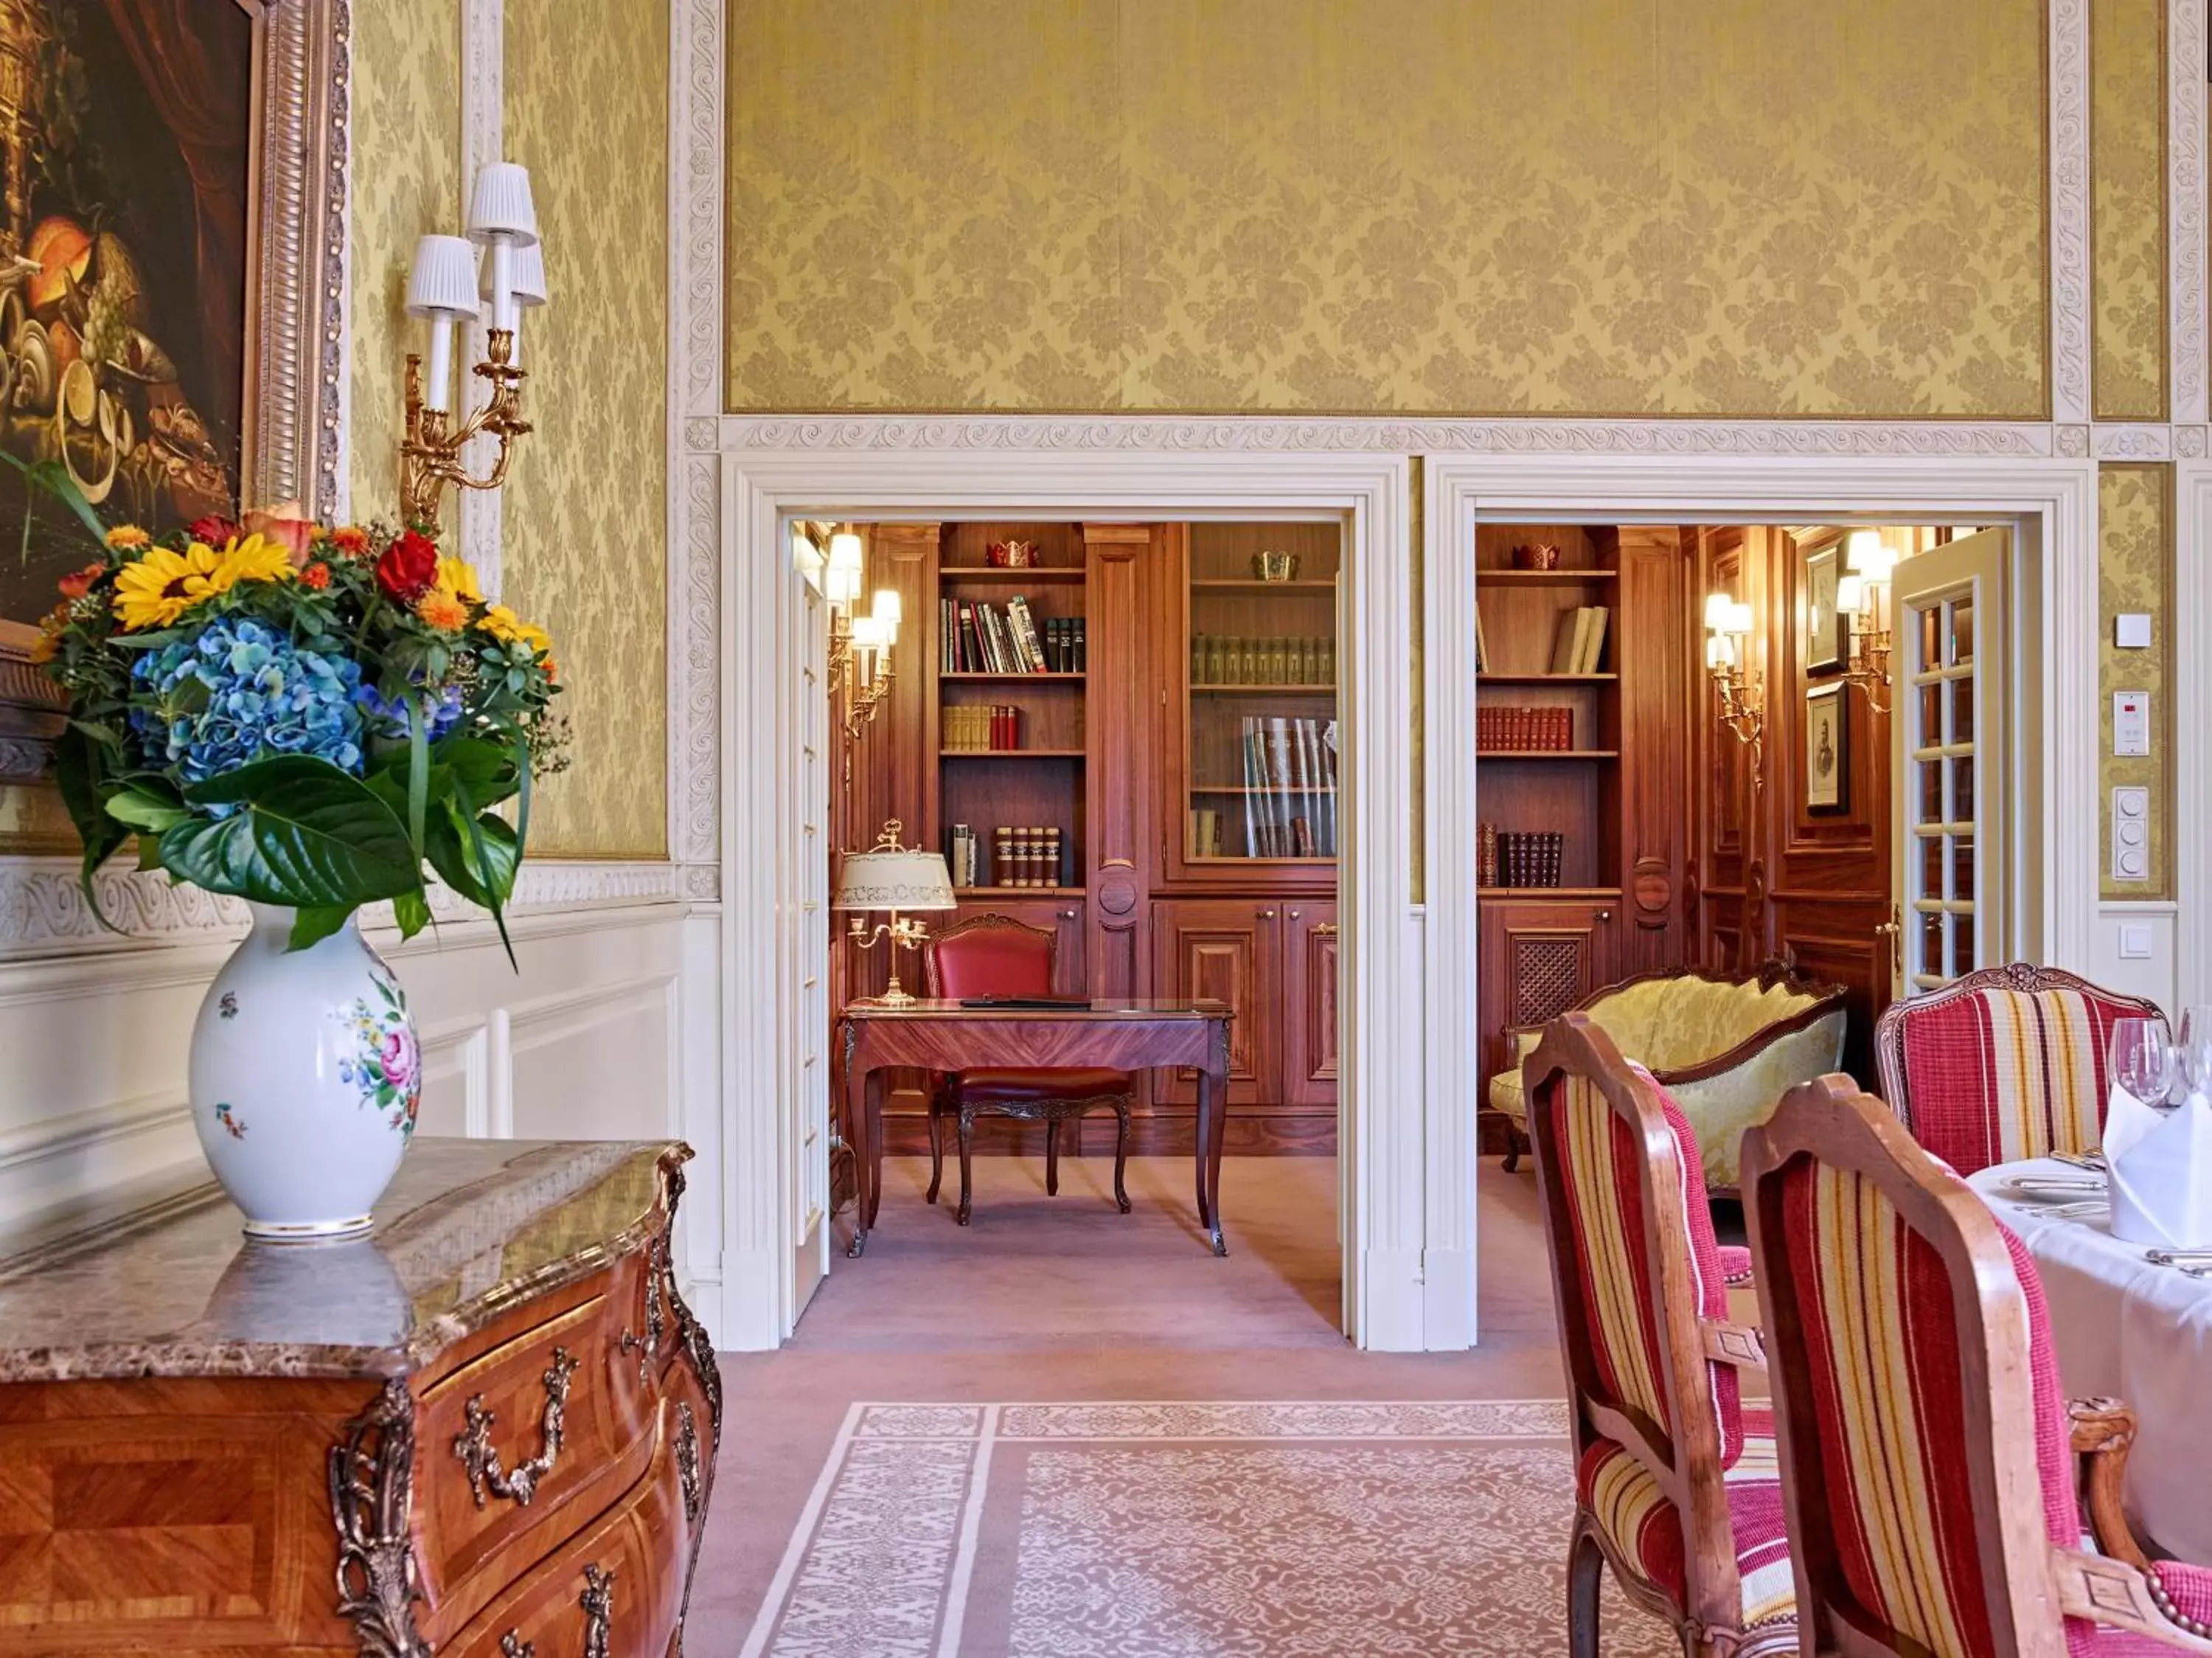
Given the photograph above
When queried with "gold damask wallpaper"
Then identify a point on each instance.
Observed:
(1752, 207)
(406, 181)
(2136, 573)
(586, 513)
(2127, 208)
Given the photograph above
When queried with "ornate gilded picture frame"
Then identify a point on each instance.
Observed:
(289, 353)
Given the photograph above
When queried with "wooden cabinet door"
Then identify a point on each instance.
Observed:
(1062, 918)
(1540, 957)
(1228, 949)
(1309, 1004)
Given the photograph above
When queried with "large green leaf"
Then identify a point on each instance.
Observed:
(476, 860)
(142, 809)
(317, 922)
(306, 834)
(485, 768)
(80, 767)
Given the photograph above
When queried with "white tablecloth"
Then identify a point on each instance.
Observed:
(2139, 1332)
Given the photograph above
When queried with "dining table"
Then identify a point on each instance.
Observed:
(2128, 1327)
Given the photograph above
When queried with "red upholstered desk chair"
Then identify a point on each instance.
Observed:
(2004, 1064)
(1675, 1480)
(1927, 1455)
(997, 955)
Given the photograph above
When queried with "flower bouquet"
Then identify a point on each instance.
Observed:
(313, 719)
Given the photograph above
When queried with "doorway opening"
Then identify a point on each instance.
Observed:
(1115, 747)
(1741, 784)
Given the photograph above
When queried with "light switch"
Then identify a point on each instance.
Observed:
(2135, 942)
(2131, 631)
(2131, 723)
(2131, 833)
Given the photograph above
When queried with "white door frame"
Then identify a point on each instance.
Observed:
(2054, 503)
(1407, 1287)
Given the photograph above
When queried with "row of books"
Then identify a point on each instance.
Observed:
(980, 638)
(981, 728)
(1266, 834)
(1033, 855)
(1523, 730)
(1518, 858)
(1285, 758)
(1580, 644)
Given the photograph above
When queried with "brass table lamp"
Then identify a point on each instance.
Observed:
(894, 879)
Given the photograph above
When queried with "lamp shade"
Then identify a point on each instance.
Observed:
(501, 205)
(1869, 555)
(845, 551)
(1717, 606)
(528, 275)
(443, 282)
(894, 879)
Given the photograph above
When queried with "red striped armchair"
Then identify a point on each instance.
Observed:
(1675, 1486)
(2004, 1064)
(1927, 1455)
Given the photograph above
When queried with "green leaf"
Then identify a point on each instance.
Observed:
(142, 809)
(412, 911)
(418, 776)
(106, 735)
(80, 771)
(313, 923)
(485, 770)
(475, 856)
(307, 835)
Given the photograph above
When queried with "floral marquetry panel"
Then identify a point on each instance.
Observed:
(2127, 208)
(585, 551)
(2136, 574)
(406, 183)
(1740, 207)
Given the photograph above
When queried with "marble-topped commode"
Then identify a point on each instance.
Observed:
(468, 1228)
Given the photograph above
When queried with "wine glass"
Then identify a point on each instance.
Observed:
(2193, 1054)
(2142, 1062)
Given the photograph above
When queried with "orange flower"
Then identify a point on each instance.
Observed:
(283, 525)
(79, 582)
(127, 538)
(316, 575)
(351, 540)
(441, 610)
(47, 645)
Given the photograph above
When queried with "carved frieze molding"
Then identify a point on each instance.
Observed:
(483, 128)
(42, 909)
(2116, 442)
(1385, 435)
(2185, 49)
(2070, 210)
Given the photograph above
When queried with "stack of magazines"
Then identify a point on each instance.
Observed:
(1290, 783)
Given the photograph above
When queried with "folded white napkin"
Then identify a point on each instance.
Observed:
(2127, 1120)
(2161, 1182)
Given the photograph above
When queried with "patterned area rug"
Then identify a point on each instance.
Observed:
(1188, 1531)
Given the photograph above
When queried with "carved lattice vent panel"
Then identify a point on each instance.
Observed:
(1547, 977)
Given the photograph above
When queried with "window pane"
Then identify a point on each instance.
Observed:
(1962, 710)
(1931, 944)
(1962, 633)
(1931, 715)
(1931, 639)
(1931, 868)
(1962, 788)
(1931, 791)
(1962, 868)
(1962, 945)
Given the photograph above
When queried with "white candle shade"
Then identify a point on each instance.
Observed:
(867, 633)
(501, 205)
(528, 276)
(888, 610)
(1716, 611)
(1739, 621)
(1868, 554)
(845, 551)
(894, 879)
(841, 586)
(443, 282)
(1852, 594)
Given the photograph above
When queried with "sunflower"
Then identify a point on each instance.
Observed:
(252, 558)
(154, 590)
(457, 579)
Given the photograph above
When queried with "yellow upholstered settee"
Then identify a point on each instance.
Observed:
(1726, 1047)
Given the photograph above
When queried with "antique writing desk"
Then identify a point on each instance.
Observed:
(944, 1036)
(485, 1430)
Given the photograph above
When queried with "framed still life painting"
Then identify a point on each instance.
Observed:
(172, 221)
(1827, 751)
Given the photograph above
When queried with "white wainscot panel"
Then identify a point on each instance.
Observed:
(596, 1064)
(2136, 951)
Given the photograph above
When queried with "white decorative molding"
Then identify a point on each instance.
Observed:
(2069, 63)
(2192, 702)
(695, 209)
(42, 908)
(2115, 442)
(2185, 56)
(2188, 442)
(482, 516)
(2073, 441)
(1382, 435)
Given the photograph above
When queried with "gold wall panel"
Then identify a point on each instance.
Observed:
(586, 528)
(2136, 573)
(406, 181)
(1746, 207)
(2127, 208)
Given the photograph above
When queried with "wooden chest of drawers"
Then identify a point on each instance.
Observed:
(488, 1430)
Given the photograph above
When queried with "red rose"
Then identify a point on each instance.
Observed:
(77, 583)
(283, 524)
(217, 532)
(408, 566)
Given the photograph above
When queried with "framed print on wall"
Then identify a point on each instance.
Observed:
(172, 226)
(1826, 644)
(1827, 749)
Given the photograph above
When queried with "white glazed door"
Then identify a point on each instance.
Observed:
(809, 1204)
(1948, 672)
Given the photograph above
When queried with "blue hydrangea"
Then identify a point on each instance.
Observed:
(387, 716)
(240, 691)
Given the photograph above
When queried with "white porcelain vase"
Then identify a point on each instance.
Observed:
(305, 1079)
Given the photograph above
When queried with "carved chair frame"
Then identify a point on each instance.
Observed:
(2024, 976)
(946, 1099)
(1688, 1466)
(1833, 1121)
